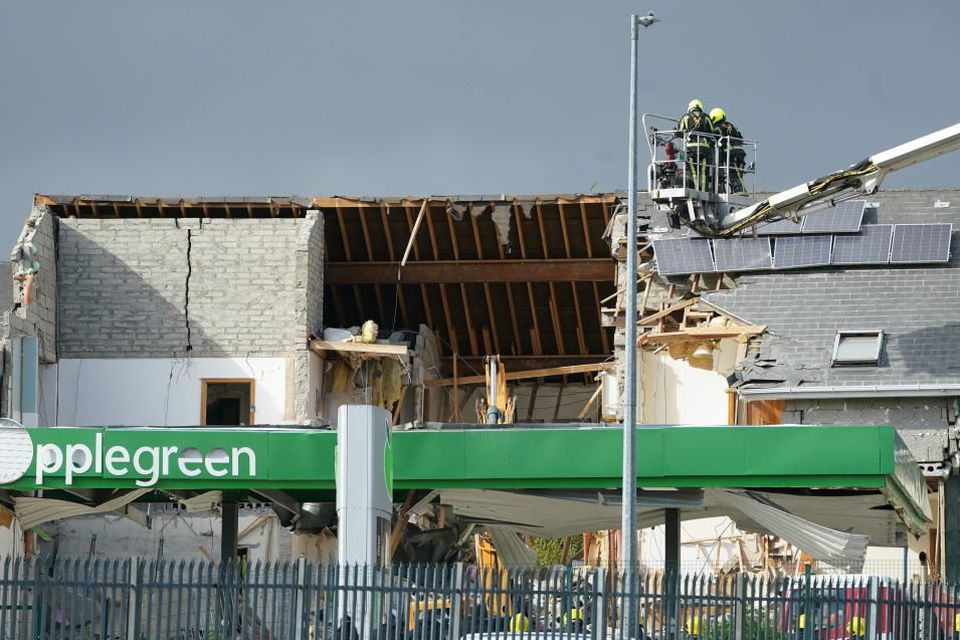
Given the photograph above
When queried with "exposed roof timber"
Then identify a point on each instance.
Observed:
(523, 375)
(704, 333)
(109, 206)
(465, 271)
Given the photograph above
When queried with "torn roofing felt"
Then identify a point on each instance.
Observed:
(916, 307)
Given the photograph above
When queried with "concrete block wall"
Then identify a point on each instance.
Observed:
(923, 423)
(171, 288)
(199, 288)
(122, 288)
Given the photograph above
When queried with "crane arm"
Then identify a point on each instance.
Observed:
(862, 178)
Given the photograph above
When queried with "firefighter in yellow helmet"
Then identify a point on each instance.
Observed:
(698, 135)
(732, 156)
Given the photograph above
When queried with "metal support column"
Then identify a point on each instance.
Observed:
(671, 543)
(628, 560)
(951, 528)
(228, 531)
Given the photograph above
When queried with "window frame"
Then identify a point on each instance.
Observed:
(876, 334)
(203, 396)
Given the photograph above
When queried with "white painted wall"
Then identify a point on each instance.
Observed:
(673, 392)
(178, 535)
(154, 391)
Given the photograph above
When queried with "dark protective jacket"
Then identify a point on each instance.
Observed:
(691, 123)
(728, 129)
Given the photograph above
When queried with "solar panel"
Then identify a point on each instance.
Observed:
(921, 243)
(682, 255)
(779, 227)
(802, 251)
(846, 217)
(870, 246)
(743, 254)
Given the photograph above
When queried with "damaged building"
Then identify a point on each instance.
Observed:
(844, 318)
(135, 311)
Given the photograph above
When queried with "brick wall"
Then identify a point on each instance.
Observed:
(207, 288)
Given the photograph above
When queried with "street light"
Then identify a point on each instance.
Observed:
(628, 558)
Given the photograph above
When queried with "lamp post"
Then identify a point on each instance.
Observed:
(628, 559)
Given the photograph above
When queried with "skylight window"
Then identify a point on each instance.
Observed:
(857, 348)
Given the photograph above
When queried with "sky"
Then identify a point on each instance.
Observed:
(423, 97)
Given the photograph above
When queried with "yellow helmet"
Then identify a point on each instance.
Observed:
(857, 626)
(519, 622)
(695, 104)
(717, 115)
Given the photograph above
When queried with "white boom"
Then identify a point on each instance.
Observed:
(862, 178)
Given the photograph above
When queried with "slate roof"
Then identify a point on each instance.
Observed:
(917, 307)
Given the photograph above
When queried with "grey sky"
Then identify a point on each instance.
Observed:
(237, 97)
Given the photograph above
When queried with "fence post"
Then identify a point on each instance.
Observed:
(599, 613)
(456, 599)
(300, 599)
(133, 611)
(808, 603)
(873, 595)
(740, 608)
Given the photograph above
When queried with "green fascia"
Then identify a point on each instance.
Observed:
(520, 457)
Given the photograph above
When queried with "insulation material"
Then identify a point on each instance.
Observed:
(390, 383)
(32, 512)
(341, 377)
(512, 550)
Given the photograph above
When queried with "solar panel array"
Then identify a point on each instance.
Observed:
(846, 217)
(913, 243)
(870, 246)
(743, 254)
(874, 244)
(779, 227)
(793, 252)
(682, 255)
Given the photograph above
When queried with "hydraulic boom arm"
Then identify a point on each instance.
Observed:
(862, 178)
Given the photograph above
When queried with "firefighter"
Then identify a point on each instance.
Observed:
(732, 156)
(698, 134)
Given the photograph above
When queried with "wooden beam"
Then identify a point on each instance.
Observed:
(363, 348)
(523, 375)
(473, 271)
(662, 314)
(704, 333)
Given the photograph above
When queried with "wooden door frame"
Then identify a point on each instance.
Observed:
(203, 395)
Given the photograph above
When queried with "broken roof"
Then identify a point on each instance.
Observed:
(916, 307)
(522, 276)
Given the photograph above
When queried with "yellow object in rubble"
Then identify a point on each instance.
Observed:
(519, 622)
(857, 626)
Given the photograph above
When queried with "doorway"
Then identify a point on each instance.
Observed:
(227, 402)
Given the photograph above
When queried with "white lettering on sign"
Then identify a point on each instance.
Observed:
(150, 464)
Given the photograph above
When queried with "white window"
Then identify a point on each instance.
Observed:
(861, 347)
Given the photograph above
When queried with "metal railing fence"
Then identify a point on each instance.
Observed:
(135, 599)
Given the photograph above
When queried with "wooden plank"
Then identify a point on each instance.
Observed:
(524, 375)
(590, 402)
(705, 333)
(472, 271)
(660, 314)
(371, 349)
